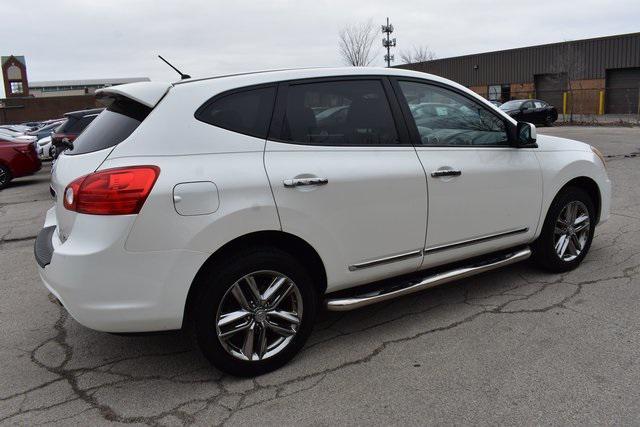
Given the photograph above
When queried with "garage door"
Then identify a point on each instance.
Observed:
(549, 87)
(623, 88)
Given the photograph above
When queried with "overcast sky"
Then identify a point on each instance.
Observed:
(114, 38)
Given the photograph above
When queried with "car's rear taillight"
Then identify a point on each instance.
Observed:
(24, 149)
(118, 191)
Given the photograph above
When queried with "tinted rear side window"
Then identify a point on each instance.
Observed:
(339, 113)
(247, 112)
(110, 127)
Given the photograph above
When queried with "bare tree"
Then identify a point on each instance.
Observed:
(417, 54)
(570, 68)
(356, 43)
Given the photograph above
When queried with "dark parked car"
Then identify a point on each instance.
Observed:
(76, 121)
(17, 159)
(531, 110)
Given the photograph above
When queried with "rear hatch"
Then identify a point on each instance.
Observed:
(125, 111)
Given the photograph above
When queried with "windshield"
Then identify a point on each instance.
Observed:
(511, 105)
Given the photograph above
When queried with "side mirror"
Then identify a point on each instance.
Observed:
(526, 135)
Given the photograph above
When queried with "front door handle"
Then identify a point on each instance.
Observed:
(446, 172)
(299, 182)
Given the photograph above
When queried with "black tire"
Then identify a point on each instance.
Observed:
(212, 294)
(548, 121)
(544, 250)
(5, 176)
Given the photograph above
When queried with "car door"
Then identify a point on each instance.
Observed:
(346, 178)
(483, 194)
(529, 113)
(541, 111)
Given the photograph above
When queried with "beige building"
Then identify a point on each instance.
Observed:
(76, 87)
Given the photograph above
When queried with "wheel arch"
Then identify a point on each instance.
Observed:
(286, 242)
(591, 187)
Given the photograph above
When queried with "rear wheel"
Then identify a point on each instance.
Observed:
(567, 232)
(5, 176)
(255, 313)
(548, 121)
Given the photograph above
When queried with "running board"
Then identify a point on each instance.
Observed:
(384, 294)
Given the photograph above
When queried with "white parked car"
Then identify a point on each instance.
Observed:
(10, 135)
(46, 150)
(222, 206)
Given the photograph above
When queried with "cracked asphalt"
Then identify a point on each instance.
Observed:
(514, 346)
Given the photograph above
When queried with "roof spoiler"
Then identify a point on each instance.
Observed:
(146, 93)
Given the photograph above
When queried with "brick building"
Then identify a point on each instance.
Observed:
(32, 101)
(591, 76)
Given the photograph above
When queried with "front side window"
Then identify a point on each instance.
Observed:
(247, 112)
(444, 117)
(351, 112)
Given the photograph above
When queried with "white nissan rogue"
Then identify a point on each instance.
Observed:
(236, 206)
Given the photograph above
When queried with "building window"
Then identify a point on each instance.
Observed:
(495, 93)
(500, 93)
(506, 93)
(16, 88)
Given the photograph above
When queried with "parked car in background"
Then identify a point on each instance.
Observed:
(233, 207)
(46, 150)
(8, 134)
(496, 103)
(531, 110)
(45, 130)
(75, 122)
(17, 158)
(17, 128)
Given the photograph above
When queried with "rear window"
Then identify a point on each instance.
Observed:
(110, 127)
(247, 112)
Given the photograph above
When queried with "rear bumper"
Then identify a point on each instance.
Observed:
(25, 165)
(106, 288)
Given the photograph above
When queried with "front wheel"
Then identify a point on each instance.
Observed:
(567, 232)
(548, 121)
(254, 313)
(5, 176)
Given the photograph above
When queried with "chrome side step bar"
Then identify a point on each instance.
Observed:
(384, 294)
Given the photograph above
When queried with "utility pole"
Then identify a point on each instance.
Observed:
(388, 42)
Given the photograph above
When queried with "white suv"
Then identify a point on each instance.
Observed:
(236, 206)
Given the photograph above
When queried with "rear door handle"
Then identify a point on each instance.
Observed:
(299, 182)
(446, 172)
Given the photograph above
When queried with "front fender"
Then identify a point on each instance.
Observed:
(561, 167)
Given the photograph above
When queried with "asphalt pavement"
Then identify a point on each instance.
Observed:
(514, 346)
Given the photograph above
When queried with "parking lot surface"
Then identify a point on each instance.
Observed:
(514, 346)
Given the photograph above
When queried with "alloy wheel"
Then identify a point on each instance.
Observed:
(571, 231)
(3, 177)
(259, 315)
